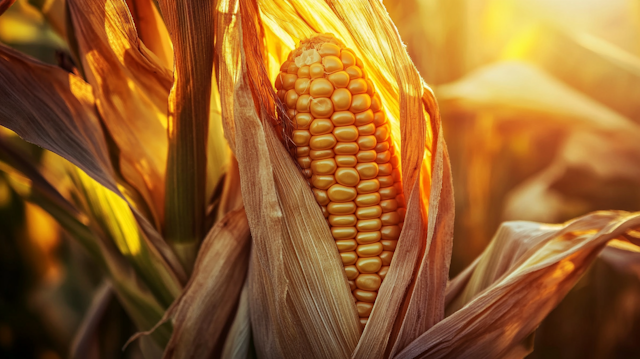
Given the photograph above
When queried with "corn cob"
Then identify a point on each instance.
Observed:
(343, 145)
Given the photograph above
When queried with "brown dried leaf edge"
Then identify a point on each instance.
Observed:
(524, 273)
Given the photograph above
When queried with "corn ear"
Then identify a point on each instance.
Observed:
(415, 124)
(281, 220)
(344, 147)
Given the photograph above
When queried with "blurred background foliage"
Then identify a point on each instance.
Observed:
(540, 103)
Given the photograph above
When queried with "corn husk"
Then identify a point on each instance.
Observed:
(212, 291)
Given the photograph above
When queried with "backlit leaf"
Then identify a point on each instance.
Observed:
(524, 273)
(191, 26)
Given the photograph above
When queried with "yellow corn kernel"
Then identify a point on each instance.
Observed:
(344, 146)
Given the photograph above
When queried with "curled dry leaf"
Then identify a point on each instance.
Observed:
(152, 30)
(518, 280)
(206, 306)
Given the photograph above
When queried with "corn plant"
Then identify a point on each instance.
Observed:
(270, 178)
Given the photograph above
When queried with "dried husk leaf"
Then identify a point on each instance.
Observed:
(231, 198)
(238, 344)
(519, 279)
(201, 313)
(286, 267)
(191, 29)
(431, 279)
(412, 109)
(131, 87)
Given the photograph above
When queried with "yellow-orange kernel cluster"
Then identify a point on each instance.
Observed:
(344, 146)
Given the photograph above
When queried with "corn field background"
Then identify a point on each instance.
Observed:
(540, 103)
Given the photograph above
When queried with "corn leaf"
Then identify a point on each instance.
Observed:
(601, 70)
(192, 33)
(55, 110)
(600, 142)
(603, 156)
(517, 281)
(54, 12)
(498, 88)
(85, 343)
(152, 30)
(218, 154)
(135, 296)
(212, 292)
(117, 221)
(29, 183)
(131, 86)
